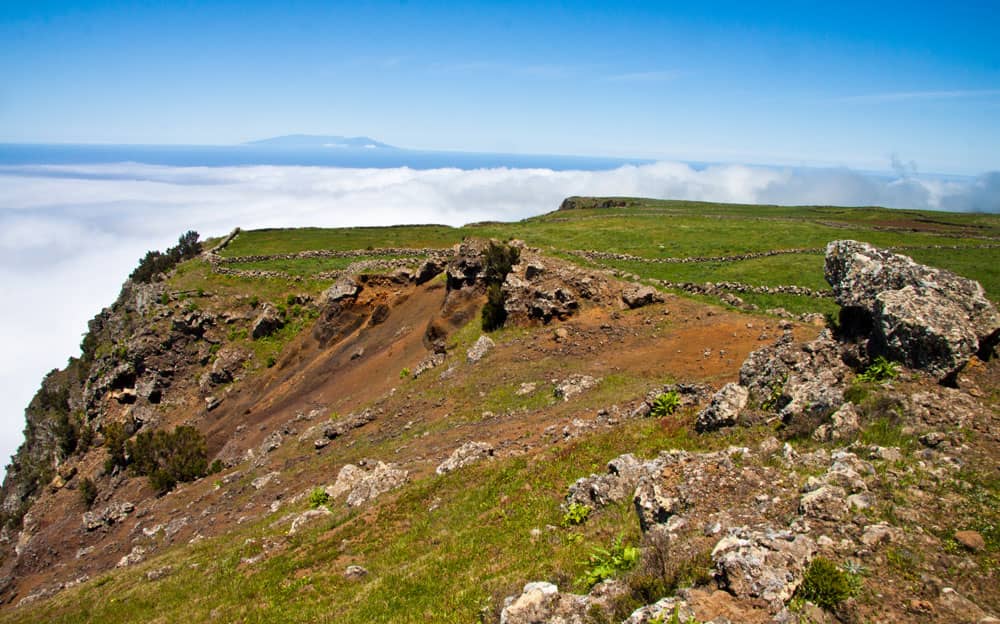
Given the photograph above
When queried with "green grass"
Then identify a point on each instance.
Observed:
(266, 242)
(441, 565)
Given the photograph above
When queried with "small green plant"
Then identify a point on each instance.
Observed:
(271, 361)
(607, 563)
(675, 618)
(216, 467)
(403, 374)
(88, 492)
(254, 302)
(318, 498)
(164, 299)
(880, 371)
(827, 585)
(777, 390)
(665, 404)
(577, 513)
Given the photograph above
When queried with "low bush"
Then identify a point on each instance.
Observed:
(168, 458)
(826, 585)
(88, 492)
(607, 563)
(880, 371)
(577, 513)
(154, 262)
(665, 404)
(318, 497)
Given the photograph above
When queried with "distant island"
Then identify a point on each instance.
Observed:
(313, 140)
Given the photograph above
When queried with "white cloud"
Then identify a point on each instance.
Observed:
(69, 235)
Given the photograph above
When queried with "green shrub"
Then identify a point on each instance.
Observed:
(826, 585)
(403, 374)
(498, 260)
(607, 563)
(665, 404)
(577, 513)
(216, 467)
(168, 458)
(318, 498)
(88, 492)
(155, 262)
(115, 438)
(271, 361)
(880, 371)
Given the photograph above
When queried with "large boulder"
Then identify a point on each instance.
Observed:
(725, 408)
(928, 318)
(762, 563)
(267, 322)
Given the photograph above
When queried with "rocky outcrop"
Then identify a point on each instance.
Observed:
(479, 349)
(797, 379)
(343, 288)
(268, 321)
(364, 483)
(762, 563)
(574, 385)
(465, 455)
(615, 486)
(115, 512)
(928, 318)
(725, 408)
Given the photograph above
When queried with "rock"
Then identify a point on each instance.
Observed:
(158, 573)
(876, 534)
(951, 603)
(261, 482)
(662, 611)
(349, 476)
(343, 288)
(115, 512)
(480, 349)
(844, 424)
(574, 385)
(797, 379)
(321, 443)
(92, 520)
(928, 318)
(762, 563)
(827, 502)
(465, 455)
(354, 572)
(306, 517)
(543, 602)
(638, 296)
(533, 269)
(725, 408)
(267, 322)
(615, 486)
(526, 388)
(467, 263)
(381, 479)
(652, 504)
(971, 540)
(227, 364)
(431, 361)
(135, 556)
(428, 270)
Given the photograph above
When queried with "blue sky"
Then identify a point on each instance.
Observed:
(798, 82)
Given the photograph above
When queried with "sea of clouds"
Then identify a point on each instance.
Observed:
(69, 235)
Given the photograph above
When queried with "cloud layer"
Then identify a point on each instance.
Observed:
(69, 235)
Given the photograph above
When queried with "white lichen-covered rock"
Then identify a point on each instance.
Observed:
(844, 424)
(343, 288)
(543, 602)
(115, 512)
(827, 502)
(574, 385)
(268, 321)
(479, 350)
(762, 563)
(465, 455)
(349, 476)
(136, 555)
(928, 318)
(375, 482)
(614, 486)
(662, 611)
(306, 517)
(725, 408)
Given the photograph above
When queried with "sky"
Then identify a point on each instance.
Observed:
(841, 84)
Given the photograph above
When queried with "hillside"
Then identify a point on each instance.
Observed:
(768, 426)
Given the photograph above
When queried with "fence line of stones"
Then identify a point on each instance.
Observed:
(716, 288)
(374, 265)
(334, 253)
(623, 257)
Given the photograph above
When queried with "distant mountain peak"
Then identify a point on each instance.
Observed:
(318, 141)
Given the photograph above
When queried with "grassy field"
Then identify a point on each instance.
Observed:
(661, 229)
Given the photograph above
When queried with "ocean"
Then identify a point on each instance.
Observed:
(14, 154)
